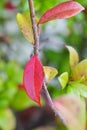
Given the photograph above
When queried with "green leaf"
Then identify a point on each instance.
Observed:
(21, 101)
(63, 79)
(82, 89)
(7, 119)
(78, 89)
(50, 73)
(72, 90)
(74, 58)
(3, 102)
(13, 68)
(24, 22)
(72, 110)
(80, 71)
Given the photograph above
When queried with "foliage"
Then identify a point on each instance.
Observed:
(60, 11)
(72, 79)
(25, 24)
(34, 74)
(72, 110)
(8, 82)
(7, 117)
(33, 71)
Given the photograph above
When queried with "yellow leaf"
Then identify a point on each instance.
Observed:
(50, 73)
(80, 71)
(25, 25)
(63, 79)
(74, 58)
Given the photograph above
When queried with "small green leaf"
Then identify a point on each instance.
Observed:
(72, 90)
(72, 110)
(78, 89)
(50, 73)
(7, 120)
(63, 79)
(74, 58)
(24, 22)
(80, 71)
(82, 89)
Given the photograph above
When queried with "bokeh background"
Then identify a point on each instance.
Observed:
(17, 111)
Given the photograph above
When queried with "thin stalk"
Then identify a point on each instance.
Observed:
(34, 26)
(45, 94)
(44, 91)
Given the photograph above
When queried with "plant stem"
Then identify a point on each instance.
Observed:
(45, 94)
(34, 26)
(44, 91)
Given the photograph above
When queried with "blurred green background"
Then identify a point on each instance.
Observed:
(15, 51)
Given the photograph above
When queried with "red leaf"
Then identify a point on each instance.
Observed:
(63, 10)
(9, 6)
(33, 78)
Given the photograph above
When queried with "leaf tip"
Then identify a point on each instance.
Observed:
(18, 15)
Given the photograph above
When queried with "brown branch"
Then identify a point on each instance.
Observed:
(45, 94)
(34, 26)
(44, 91)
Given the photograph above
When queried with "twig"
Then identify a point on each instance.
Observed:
(34, 26)
(45, 94)
(44, 91)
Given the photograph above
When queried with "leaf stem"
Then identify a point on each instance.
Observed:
(34, 26)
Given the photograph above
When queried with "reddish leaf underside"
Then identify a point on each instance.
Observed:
(62, 10)
(72, 110)
(33, 78)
